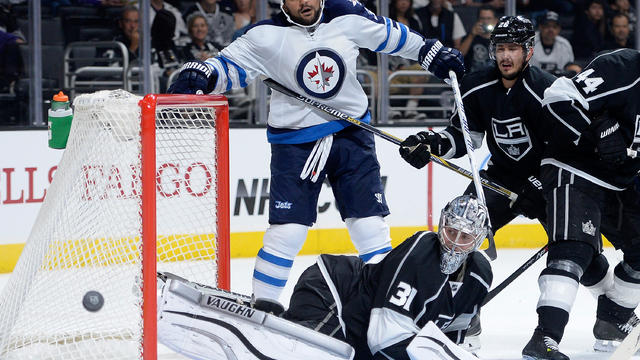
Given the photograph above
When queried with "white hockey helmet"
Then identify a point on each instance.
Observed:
(304, 26)
(463, 228)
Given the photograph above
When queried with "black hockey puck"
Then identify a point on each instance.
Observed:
(93, 301)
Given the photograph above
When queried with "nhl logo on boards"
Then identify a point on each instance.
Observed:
(320, 73)
(588, 228)
(512, 137)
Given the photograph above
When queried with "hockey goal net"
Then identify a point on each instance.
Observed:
(142, 187)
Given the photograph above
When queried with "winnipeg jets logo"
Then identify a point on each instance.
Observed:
(512, 136)
(320, 73)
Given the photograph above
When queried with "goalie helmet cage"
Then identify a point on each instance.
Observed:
(143, 186)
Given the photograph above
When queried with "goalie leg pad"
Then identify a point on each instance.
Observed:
(431, 343)
(203, 325)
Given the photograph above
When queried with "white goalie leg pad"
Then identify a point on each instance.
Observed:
(431, 343)
(281, 244)
(201, 324)
(370, 236)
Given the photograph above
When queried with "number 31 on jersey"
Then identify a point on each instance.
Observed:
(404, 296)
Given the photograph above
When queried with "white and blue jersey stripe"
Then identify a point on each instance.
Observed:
(318, 63)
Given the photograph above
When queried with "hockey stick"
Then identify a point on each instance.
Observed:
(495, 291)
(628, 346)
(385, 135)
(491, 250)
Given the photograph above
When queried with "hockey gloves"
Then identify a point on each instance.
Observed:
(530, 201)
(610, 142)
(194, 75)
(439, 59)
(416, 149)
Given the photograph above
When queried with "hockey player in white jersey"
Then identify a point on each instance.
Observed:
(416, 303)
(312, 47)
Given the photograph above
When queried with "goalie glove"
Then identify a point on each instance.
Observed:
(194, 75)
(416, 149)
(439, 59)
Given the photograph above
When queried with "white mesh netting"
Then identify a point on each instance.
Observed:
(88, 233)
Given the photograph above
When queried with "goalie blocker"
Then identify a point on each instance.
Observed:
(207, 323)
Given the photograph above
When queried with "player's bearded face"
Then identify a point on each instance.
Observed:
(510, 59)
(304, 12)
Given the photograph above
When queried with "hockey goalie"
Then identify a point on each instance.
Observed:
(416, 303)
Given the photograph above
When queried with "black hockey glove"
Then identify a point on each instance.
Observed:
(194, 75)
(530, 201)
(610, 142)
(416, 149)
(439, 59)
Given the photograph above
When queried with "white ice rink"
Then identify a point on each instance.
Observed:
(507, 321)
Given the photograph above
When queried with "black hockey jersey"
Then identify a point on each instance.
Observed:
(510, 118)
(608, 86)
(386, 304)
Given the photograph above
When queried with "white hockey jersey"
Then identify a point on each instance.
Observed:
(320, 64)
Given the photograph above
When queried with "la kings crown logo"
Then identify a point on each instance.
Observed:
(512, 137)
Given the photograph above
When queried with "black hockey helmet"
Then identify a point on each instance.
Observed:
(512, 29)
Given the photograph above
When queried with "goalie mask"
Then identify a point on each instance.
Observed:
(463, 228)
(512, 30)
(285, 11)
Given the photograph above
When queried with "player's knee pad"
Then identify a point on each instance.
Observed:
(597, 278)
(558, 282)
(281, 244)
(626, 286)
(370, 236)
(284, 240)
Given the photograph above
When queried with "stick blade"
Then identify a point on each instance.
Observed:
(628, 346)
(491, 250)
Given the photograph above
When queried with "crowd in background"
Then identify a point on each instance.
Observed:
(569, 31)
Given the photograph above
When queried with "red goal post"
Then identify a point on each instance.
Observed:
(143, 186)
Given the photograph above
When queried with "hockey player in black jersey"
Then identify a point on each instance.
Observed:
(379, 309)
(415, 303)
(588, 174)
(503, 102)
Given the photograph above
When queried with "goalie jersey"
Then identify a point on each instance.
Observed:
(383, 306)
(319, 63)
(608, 86)
(510, 118)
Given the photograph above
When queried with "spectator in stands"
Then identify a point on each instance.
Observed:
(624, 7)
(440, 23)
(551, 51)
(571, 69)
(11, 64)
(220, 20)
(245, 13)
(590, 26)
(538, 6)
(129, 33)
(402, 12)
(495, 4)
(620, 33)
(180, 35)
(475, 46)
(199, 48)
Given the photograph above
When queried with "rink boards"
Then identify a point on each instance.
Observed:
(415, 197)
